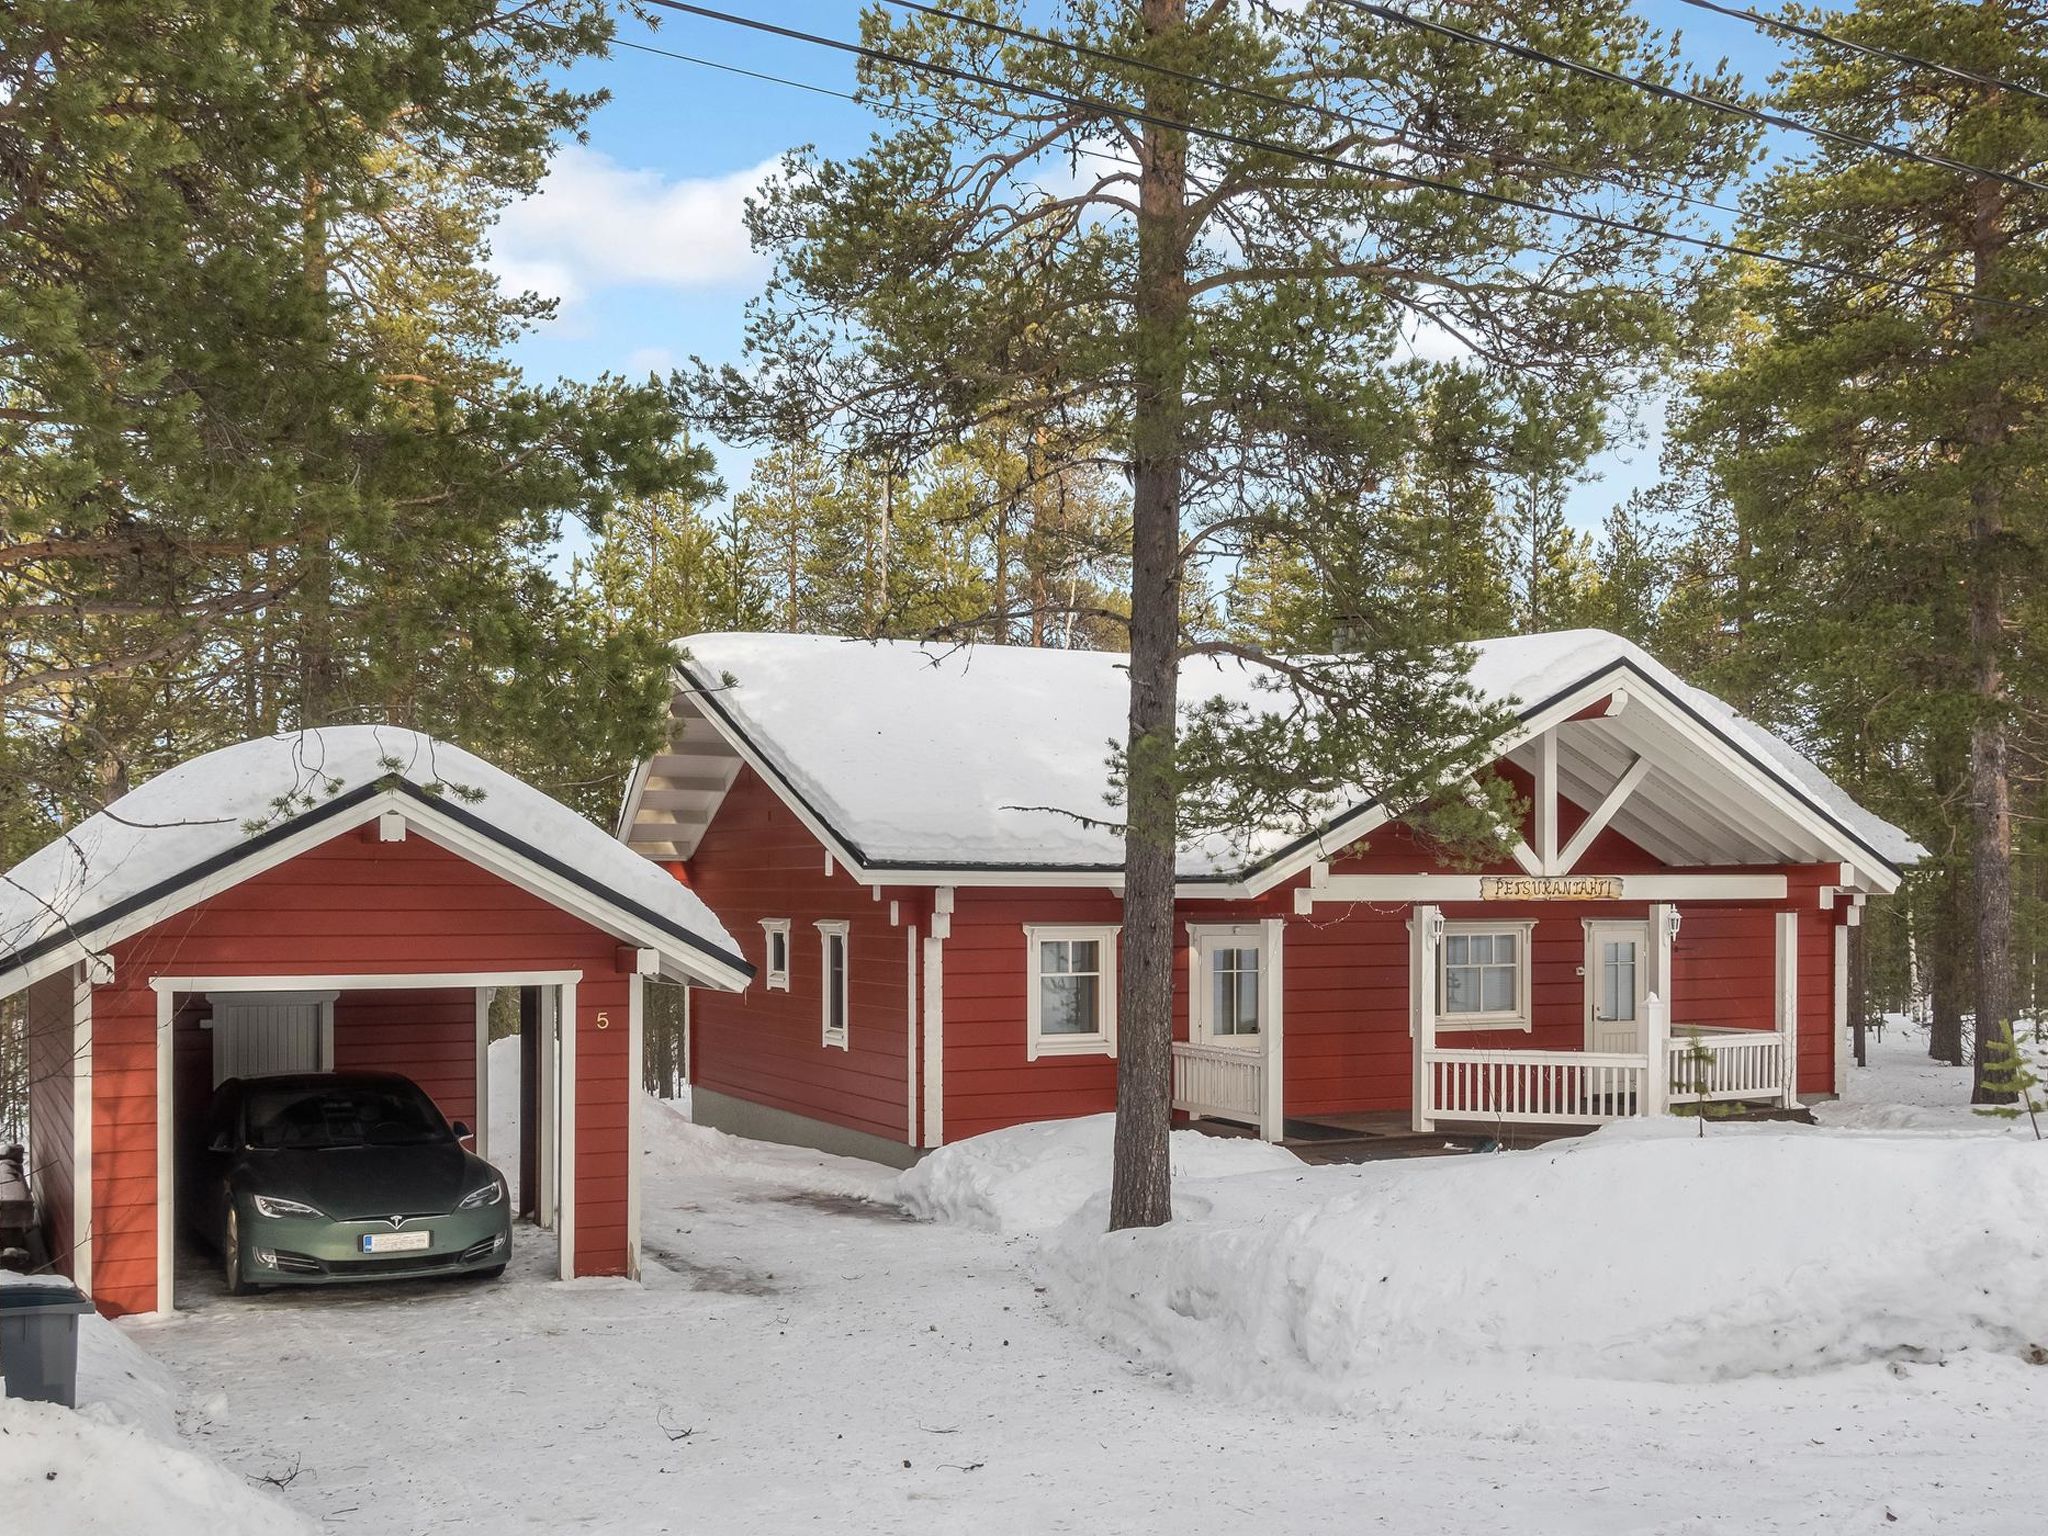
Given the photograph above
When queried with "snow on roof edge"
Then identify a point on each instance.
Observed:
(1562, 660)
(211, 812)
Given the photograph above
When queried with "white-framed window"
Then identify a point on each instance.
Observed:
(1482, 976)
(834, 975)
(1226, 983)
(775, 964)
(1070, 991)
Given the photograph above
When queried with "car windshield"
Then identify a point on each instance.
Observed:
(335, 1115)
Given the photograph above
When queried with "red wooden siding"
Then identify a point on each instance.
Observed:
(52, 1043)
(430, 1036)
(353, 905)
(1346, 979)
(758, 861)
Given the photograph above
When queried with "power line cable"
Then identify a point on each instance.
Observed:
(1868, 50)
(1287, 103)
(1124, 112)
(1693, 98)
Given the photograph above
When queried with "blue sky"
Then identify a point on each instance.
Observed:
(638, 230)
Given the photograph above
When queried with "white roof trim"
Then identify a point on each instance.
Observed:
(1642, 689)
(92, 938)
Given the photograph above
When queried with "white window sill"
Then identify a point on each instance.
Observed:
(1468, 1024)
(1071, 1045)
(775, 984)
(834, 1042)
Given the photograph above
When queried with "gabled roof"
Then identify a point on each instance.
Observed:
(915, 761)
(215, 820)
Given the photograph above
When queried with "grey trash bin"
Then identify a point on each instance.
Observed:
(39, 1340)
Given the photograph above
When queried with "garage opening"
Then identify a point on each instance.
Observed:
(503, 1097)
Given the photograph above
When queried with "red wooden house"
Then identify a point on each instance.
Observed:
(342, 898)
(910, 845)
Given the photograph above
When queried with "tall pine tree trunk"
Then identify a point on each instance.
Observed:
(1990, 757)
(1947, 953)
(1141, 1188)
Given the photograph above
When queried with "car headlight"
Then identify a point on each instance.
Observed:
(273, 1205)
(490, 1194)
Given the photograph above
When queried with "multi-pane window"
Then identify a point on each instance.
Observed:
(1071, 1002)
(1233, 991)
(1483, 976)
(1226, 983)
(832, 983)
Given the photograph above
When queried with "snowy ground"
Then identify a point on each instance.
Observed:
(804, 1357)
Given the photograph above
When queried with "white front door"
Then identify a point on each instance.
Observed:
(1617, 976)
(258, 1034)
(1226, 991)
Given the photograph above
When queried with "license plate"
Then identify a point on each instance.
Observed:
(396, 1242)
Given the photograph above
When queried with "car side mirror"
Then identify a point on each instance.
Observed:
(221, 1143)
(462, 1131)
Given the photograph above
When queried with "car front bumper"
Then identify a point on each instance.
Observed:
(290, 1250)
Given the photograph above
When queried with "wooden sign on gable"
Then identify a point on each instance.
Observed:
(1550, 888)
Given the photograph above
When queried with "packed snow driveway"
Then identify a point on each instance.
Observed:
(804, 1357)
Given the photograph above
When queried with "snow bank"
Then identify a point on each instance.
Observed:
(675, 1147)
(74, 1474)
(116, 1465)
(1029, 1178)
(1647, 1253)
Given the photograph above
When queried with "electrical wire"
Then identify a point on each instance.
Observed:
(1693, 98)
(1126, 113)
(1868, 50)
(1287, 103)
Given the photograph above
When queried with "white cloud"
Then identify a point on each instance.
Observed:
(595, 224)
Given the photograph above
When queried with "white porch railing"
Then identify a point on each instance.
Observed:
(1591, 1088)
(1222, 1081)
(1709, 1066)
(1537, 1087)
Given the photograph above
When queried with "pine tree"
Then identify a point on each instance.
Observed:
(1228, 321)
(1883, 451)
(2006, 1074)
(262, 461)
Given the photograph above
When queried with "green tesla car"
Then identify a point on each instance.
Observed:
(330, 1176)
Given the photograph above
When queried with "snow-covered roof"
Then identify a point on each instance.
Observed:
(919, 756)
(136, 862)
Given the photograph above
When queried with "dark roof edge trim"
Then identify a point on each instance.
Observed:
(227, 858)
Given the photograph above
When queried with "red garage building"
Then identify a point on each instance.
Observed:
(342, 898)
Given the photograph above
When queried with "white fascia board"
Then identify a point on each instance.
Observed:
(436, 828)
(98, 938)
(837, 849)
(629, 807)
(1793, 807)
(458, 839)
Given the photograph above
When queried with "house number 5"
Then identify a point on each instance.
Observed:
(604, 1021)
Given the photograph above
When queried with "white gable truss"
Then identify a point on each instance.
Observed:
(1640, 760)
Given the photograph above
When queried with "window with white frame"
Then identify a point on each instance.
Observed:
(832, 983)
(1225, 992)
(1483, 976)
(1070, 997)
(775, 967)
